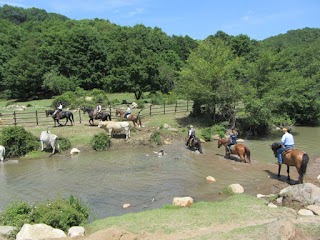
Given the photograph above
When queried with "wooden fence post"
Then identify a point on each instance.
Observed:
(80, 115)
(150, 110)
(187, 105)
(175, 109)
(164, 108)
(37, 118)
(14, 118)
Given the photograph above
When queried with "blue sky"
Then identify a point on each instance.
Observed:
(195, 18)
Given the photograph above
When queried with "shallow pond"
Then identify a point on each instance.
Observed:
(107, 180)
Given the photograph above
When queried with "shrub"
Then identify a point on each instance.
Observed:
(100, 142)
(18, 141)
(59, 213)
(207, 133)
(157, 98)
(64, 144)
(155, 138)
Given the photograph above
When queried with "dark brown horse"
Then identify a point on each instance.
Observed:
(292, 157)
(238, 149)
(135, 118)
(102, 116)
(64, 114)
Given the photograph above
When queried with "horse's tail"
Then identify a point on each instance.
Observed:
(72, 119)
(247, 151)
(139, 117)
(305, 160)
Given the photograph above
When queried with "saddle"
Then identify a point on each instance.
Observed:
(288, 150)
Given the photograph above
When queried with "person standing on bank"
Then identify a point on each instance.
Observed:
(287, 141)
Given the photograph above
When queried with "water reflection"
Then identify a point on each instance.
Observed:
(107, 180)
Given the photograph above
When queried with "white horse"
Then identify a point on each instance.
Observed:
(2, 153)
(115, 127)
(48, 139)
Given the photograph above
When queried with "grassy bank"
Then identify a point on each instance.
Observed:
(238, 217)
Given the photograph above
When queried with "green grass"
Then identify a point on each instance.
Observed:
(237, 209)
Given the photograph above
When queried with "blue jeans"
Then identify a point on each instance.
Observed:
(280, 151)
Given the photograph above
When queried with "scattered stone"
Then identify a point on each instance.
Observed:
(306, 194)
(315, 209)
(39, 231)
(182, 201)
(126, 205)
(210, 179)
(74, 151)
(236, 188)
(279, 200)
(5, 230)
(318, 177)
(272, 205)
(305, 212)
(261, 195)
(76, 231)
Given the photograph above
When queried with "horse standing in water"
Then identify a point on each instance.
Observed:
(64, 114)
(292, 157)
(238, 149)
(135, 118)
(195, 144)
(102, 116)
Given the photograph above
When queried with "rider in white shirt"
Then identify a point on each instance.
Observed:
(287, 141)
(98, 110)
(57, 112)
(128, 112)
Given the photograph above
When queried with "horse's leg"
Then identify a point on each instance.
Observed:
(288, 172)
(279, 170)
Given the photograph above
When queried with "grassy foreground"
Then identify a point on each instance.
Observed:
(238, 217)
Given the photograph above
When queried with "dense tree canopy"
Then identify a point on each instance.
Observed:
(275, 81)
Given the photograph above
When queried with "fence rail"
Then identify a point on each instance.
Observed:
(39, 118)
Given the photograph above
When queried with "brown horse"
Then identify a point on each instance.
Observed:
(238, 149)
(292, 157)
(135, 118)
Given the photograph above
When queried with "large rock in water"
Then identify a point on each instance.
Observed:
(182, 201)
(306, 194)
(39, 231)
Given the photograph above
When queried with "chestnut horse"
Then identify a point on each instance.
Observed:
(135, 118)
(292, 157)
(238, 149)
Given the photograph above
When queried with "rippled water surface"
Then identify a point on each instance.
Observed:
(107, 180)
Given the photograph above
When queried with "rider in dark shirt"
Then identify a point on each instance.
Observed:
(233, 139)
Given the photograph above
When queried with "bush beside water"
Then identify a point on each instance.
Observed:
(100, 142)
(61, 213)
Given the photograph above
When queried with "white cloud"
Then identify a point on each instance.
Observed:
(136, 11)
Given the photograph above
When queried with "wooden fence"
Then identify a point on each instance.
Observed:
(39, 118)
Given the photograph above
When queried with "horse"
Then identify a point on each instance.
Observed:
(135, 118)
(292, 157)
(102, 116)
(64, 114)
(2, 153)
(238, 149)
(195, 144)
(49, 139)
(115, 127)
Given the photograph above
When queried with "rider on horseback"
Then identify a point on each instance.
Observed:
(287, 142)
(57, 112)
(128, 112)
(98, 110)
(233, 140)
(191, 135)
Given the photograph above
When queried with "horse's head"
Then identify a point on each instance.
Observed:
(118, 112)
(274, 147)
(47, 113)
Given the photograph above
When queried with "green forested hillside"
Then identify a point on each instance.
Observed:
(247, 83)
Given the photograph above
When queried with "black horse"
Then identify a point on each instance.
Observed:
(64, 114)
(195, 144)
(102, 116)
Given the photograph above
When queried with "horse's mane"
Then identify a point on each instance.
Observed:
(275, 145)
